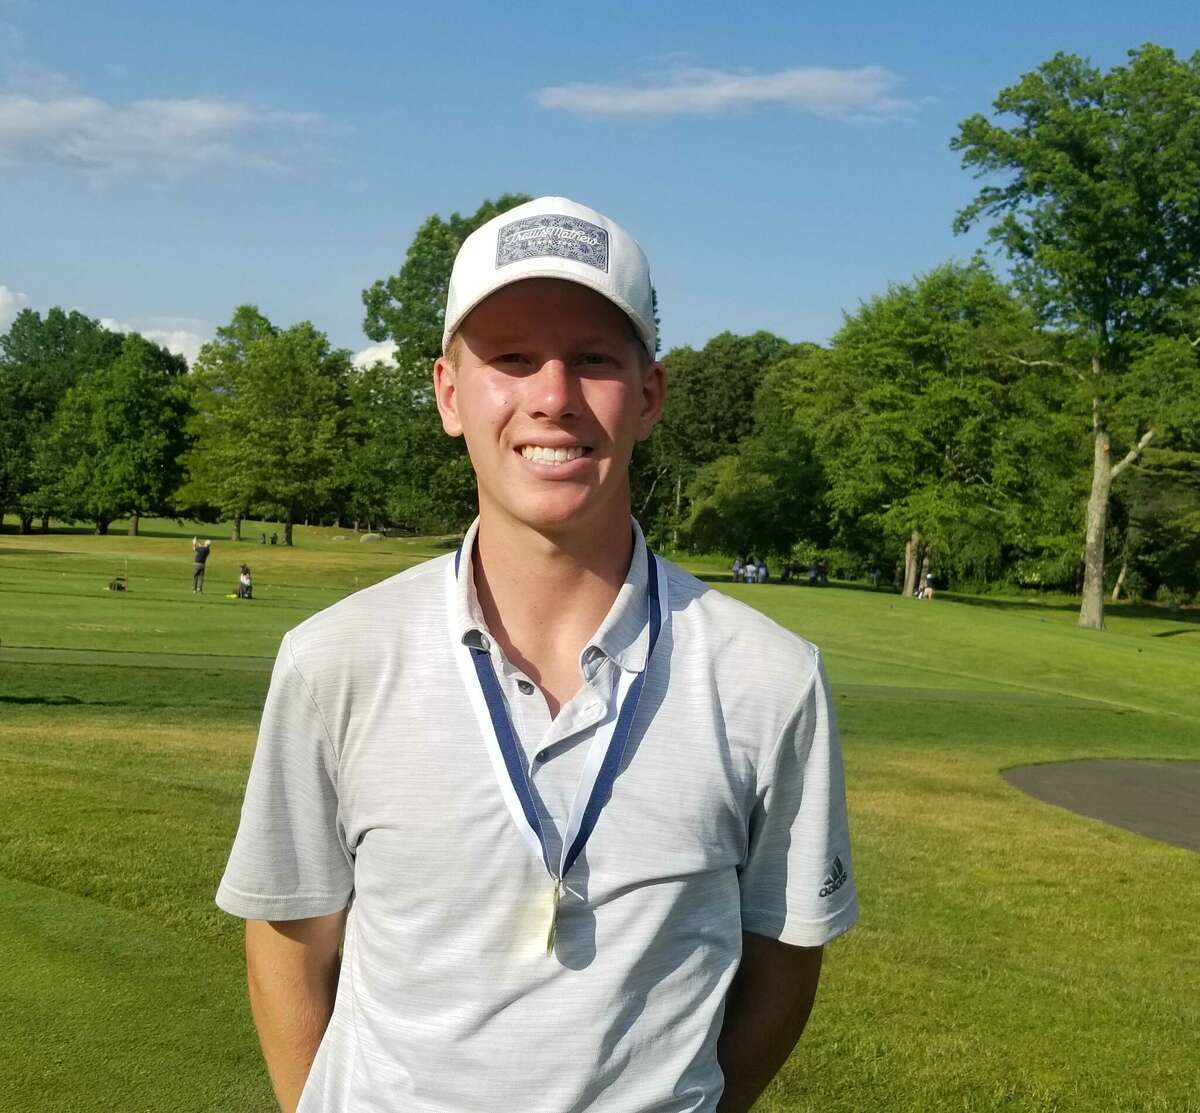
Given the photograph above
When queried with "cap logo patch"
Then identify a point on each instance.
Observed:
(568, 237)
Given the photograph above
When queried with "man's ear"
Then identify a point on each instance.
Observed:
(654, 396)
(446, 395)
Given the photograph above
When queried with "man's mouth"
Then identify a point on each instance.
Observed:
(539, 454)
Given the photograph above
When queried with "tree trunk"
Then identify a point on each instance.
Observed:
(102, 527)
(26, 525)
(133, 524)
(911, 547)
(1116, 595)
(45, 523)
(236, 535)
(1091, 611)
(287, 529)
(678, 494)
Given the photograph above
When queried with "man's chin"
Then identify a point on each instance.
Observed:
(563, 513)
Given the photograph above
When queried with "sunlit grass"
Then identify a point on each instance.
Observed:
(1011, 956)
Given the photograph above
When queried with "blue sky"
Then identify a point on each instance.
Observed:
(161, 164)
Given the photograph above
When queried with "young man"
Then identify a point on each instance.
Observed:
(572, 858)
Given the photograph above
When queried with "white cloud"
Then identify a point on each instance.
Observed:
(867, 93)
(376, 353)
(11, 303)
(184, 342)
(47, 122)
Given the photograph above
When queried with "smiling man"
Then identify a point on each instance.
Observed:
(519, 833)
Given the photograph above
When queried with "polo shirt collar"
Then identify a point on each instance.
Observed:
(623, 636)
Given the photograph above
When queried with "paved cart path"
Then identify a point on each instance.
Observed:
(1158, 799)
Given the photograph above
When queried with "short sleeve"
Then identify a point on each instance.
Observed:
(289, 858)
(797, 883)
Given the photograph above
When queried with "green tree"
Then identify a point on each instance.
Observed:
(939, 426)
(1158, 514)
(272, 409)
(40, 360)
(709, 410)
(1100, 212)
(769, 493)
(220, 478)
(436, 487)
(292, 408)
(113, 447)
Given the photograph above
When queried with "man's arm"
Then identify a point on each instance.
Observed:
(292, 971)
(767, 1007)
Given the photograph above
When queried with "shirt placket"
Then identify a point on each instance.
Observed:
(556, 749)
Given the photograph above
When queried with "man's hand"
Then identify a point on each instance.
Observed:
(292, 971)
(765, 1012)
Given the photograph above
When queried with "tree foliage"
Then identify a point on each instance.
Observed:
(114, 444)
(437, 489)
(1099, 209)
(937, 410)
(769, 493)
(709, 410)
(271, 410)
(220, 478)
(40, 360)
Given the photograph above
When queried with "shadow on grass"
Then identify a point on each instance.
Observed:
(89, 531)
(49, 701)
(1190, 615)
(1125, 610)
(775, 581)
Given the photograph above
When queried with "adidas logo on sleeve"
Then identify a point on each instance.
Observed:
(836, 879)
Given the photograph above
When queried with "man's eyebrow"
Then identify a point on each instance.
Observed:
(517, 340)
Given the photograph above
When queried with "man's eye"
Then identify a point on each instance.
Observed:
(510, 357)
(593, 358)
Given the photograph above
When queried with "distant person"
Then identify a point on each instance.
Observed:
(873, 576)
(762, 571)
(245, 588)
(737, 569)
(200, 551)
(262, 538)
(814, 574)
(823, 571)
(928, 591)
(274, 538)
(750, 572)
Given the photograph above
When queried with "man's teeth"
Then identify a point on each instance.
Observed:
(541, 455)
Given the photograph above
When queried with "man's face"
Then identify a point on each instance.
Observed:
(550, 393)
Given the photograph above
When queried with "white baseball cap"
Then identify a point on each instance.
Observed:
(552, 237)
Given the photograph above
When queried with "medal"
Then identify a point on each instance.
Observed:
(604, 755)
(555, 897)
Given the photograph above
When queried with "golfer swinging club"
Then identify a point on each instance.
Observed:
(544, 824)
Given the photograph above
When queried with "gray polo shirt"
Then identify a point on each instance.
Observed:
(372, 787)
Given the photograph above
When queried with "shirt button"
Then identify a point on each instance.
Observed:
(525, 687)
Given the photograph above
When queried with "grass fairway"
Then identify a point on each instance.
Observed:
(1011, 956)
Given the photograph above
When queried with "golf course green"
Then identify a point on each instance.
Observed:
(1011, 956)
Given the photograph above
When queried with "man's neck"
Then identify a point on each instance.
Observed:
(543, 596)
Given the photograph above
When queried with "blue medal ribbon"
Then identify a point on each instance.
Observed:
(610, 765)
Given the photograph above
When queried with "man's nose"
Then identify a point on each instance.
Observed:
(555, 391)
